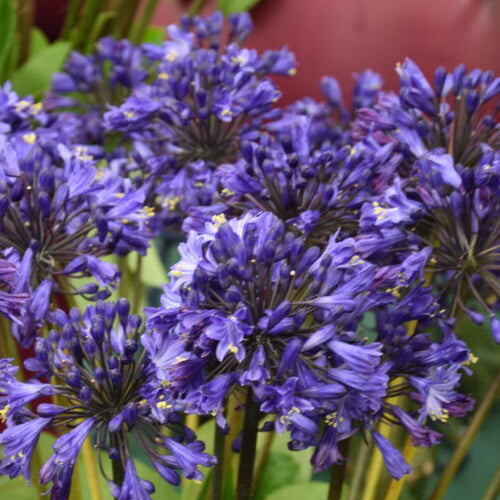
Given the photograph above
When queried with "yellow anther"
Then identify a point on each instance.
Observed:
(30, 138)
(172, 56)
(218, 220)
(163, 76)
(163, 405)
(22, 105)
(226, 112)
(292, 71)
(36, 108)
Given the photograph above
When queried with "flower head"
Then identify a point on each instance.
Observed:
(251, 305)
(94, 360)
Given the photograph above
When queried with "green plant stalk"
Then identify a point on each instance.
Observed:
(90, 13)
(244, 487)
(338, 473)
(264, 456)
(117, 465)
(219, 469)
(467, 439)
(140, 27)
(124, 277)
(126, 14)
(195, 7)
(92, 470)
(396, 486)
(70, 19)
(358, 477)
(494, 487)
(136, 303)
(103, 20)
(24, 25)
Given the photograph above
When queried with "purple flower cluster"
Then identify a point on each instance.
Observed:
(59, 212)
(326, 251)
(251, 305)
(446, 192)
(203, 99)
(103, 385)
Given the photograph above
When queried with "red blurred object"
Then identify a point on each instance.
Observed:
(339, 38)
(49, 16)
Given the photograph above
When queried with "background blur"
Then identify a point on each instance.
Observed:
(341, 37)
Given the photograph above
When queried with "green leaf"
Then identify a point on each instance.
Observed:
(231, 6)
(300, 491)
(35, 75)
(7, 31)
(280, 471)
(153, 271)
(38, 41)
(154, 35)
(280, 446)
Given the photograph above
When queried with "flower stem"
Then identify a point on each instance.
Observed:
(195, 7)
(397, 485)
(118, 472)
(92, 472)
(261, 464)
(494, 487)
(142, 24)
(219, 452)
(138, 285)
(359, 473)
(337, 474)
(248, 448)
(465, 443)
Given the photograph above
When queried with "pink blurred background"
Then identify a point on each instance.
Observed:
(340, 37)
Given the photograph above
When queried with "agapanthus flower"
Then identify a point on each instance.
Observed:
(447, 195)
(12, 290)
(103, 387)
(60, 214)
(88, 84)
(204, 98)
(330, 119)
(316, 190)
(250, 305)
(18, 113)
(451, 113)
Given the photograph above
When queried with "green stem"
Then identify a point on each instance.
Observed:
(219, 452)
(195, 7)
(100, 27)
(467, 439)
(125, 18)
(494, 487)
(358, 477)
(138, 285)
(248, 448)
(90, 13)
(261, 465)
(337, 474)
(118, 472)
(25, 22)
(70, 19)
(142, 24)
